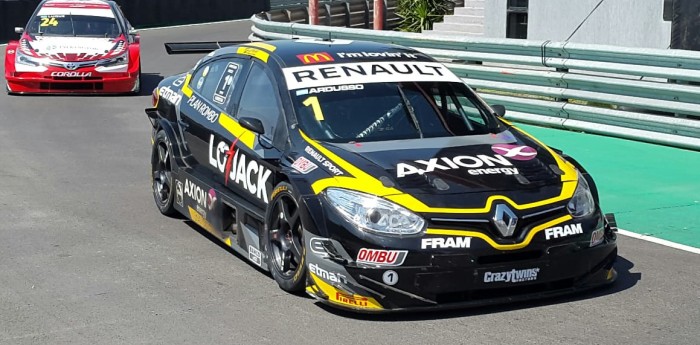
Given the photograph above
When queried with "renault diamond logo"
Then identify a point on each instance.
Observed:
(71, 66)
(505, 220)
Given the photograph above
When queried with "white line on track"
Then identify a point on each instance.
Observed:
(659, 241)
(188, 25)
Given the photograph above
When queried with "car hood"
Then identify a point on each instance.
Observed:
(440, 171)
(73, 49)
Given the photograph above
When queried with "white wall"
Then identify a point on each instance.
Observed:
(631, 23)
(495, 18)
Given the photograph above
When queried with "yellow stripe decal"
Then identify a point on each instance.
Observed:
(254, 52)
(344, 298)
(266, 46)
(197, 218)
(366, 183)
(244, 136)
(186, 86)
(495, 245)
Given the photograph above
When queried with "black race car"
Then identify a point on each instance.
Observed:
(373, 178)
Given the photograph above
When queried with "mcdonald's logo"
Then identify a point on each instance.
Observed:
(313, 58)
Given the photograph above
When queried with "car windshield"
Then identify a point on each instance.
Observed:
(391, 111)
(74, 25)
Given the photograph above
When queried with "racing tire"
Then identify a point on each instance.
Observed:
(137, 87)
(284, 241)
(162, 174)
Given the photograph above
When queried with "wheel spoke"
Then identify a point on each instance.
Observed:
(295, 248)
(162, 153)
(286, 261)
(275, 236)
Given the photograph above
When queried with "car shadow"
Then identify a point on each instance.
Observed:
(625, 280)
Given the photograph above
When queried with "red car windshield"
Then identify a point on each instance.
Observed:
(74, 25)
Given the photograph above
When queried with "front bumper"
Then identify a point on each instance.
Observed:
(24, 83)
(438, 279)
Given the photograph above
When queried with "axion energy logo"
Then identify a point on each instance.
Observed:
(313, 58)
(515, 152)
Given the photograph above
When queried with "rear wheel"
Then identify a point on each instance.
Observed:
(284, 240)
(162, 174)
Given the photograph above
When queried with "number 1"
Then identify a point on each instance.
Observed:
(315, 106)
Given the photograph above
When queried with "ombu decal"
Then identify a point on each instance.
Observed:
(238, 168)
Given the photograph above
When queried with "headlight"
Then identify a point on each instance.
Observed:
(373, 214)
(119, 60)
(582, 203)
(23, 59)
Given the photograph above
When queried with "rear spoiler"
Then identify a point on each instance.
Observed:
(198, 47)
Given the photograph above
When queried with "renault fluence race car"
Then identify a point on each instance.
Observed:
(72, 46)
(371, 177)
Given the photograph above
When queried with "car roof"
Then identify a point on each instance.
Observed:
(300, 52)
(69, 3)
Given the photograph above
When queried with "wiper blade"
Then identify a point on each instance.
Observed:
(410, 110)
(70, 14)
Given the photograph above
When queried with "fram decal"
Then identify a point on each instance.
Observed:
(489, 165)
(515, 152)
(313, 58)
(447, 242)
(563, 231)
(238, 168)
(366, 72)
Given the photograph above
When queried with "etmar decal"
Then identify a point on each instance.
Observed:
(304, 165)
(512, 276)
(377, 55)
(515, 152)
(71, 74)
(205, 199)
(313, 58)
(238, 168)
(327, 275)
(323, 161)
(563, 231)
(597, 237)
(366, 72)
(445, 242)
(471, 162)
(381, 257)
(203, 109)
(170, 95)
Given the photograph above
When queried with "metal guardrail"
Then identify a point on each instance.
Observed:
(650, 95)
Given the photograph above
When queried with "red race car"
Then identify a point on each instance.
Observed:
(74, 46)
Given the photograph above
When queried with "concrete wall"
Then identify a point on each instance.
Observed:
(495, 18)
(631, 23)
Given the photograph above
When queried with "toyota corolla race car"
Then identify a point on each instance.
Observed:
(72, 46)
(371, 177)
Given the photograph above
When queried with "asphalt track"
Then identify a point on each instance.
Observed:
(85, 257)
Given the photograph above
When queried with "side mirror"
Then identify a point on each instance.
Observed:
(19, 30)
(252, 124)
(499, 110)
(133, 31)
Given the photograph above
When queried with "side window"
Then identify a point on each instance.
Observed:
(215, 81)
(259, 100)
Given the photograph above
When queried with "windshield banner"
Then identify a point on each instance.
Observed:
(366, 72)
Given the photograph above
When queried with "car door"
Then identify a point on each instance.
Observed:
(250, 162)
(212, 87)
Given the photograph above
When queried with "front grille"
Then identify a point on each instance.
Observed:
(509, 257)
(474, 295)
(71, 86)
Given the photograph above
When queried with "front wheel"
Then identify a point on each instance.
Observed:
(162, 174)
(284, 240)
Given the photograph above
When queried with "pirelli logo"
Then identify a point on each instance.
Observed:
(312, 58)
